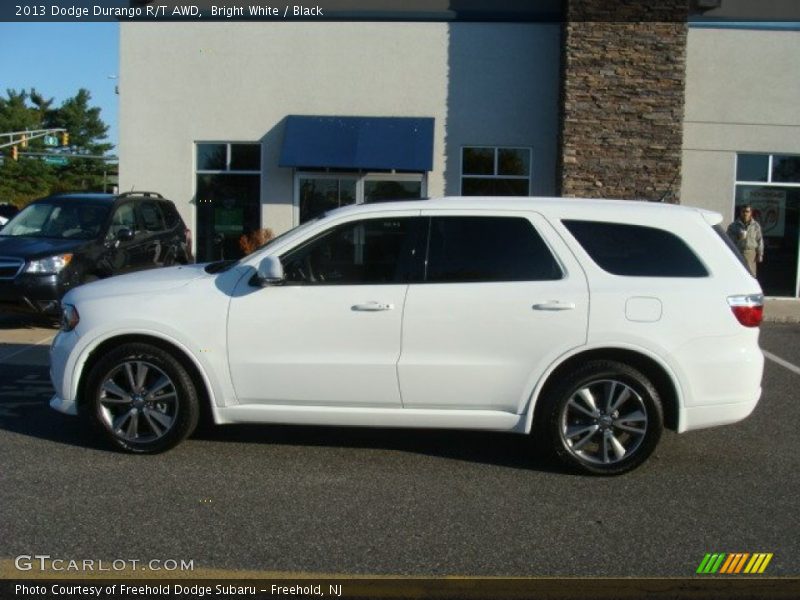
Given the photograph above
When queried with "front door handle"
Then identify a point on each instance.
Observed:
(373, 306)
(554, 305)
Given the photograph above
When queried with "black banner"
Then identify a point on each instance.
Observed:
(700, 11)
(728, 588)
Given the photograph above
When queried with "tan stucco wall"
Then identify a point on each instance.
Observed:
(184, 82)
(742, 95)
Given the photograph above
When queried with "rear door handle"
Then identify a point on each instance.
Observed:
(373, 306)
(554, 305)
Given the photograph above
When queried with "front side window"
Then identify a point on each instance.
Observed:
(636, 250)
(494, 171)
(374, 251)
(124, 218)
(473, 249)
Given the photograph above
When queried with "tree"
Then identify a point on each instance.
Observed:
(30, 177)
(83, 122)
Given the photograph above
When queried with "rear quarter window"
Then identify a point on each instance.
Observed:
(636, 250)
(171, 217)
(731, 246)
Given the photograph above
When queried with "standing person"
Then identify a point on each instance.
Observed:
(746, 234)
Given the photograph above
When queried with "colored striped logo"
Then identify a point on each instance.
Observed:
(737, 562)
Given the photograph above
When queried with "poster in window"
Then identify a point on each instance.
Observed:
(229, 221)
(769, 209)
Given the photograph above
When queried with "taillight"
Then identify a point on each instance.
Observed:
(748, 309)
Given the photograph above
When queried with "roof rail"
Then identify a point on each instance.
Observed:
(146, 194)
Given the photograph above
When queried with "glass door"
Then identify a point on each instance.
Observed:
(320, 193)
(316, 193)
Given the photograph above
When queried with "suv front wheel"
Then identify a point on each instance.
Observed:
(142, 398)
(604, 418)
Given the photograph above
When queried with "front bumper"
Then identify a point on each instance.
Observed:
(32, 294)
(61, 373)
(68, 407)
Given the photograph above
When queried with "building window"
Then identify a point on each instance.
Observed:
(770, 183)
(228, 196)
(494, 171)
(318, 192)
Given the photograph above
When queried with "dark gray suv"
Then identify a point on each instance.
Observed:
(62, 241)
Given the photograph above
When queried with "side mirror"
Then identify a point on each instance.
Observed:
(125, 235)
(270, 271)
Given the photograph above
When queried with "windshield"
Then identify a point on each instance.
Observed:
(58, 220)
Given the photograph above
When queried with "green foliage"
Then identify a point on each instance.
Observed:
(30, 177)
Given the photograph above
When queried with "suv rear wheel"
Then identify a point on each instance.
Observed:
(603, 418)
(142, 398)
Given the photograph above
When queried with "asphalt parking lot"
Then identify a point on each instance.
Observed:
(283, 500)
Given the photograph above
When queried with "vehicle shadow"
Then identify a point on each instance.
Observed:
(492, 448)
(25, 392)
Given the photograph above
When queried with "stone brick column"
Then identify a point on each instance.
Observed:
(623, 79)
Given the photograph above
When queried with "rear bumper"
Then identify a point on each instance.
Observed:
(32, 294)
(722, 378)
(699, 417)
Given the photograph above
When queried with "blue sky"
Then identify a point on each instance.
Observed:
(60, 58)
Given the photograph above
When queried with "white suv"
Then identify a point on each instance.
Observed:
(589, 324)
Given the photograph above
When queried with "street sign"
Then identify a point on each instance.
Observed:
(50, 140)
(56, 160)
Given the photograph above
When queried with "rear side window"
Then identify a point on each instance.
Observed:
(472, 249)
(151, 216)
(171, 217)
(636, 250)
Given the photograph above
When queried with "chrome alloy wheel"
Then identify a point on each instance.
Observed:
(604, 422)
(138, 402)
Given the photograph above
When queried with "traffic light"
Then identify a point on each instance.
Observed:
(65, 138)
(23, 141)
(14, 153)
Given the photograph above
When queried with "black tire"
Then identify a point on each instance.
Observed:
(161, 412)
(601, 441)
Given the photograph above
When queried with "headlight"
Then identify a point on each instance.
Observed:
(50, 265)
(69, 317)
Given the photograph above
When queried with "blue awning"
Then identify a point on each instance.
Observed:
(367, 143)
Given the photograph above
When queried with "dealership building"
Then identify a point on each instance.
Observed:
(268, 123)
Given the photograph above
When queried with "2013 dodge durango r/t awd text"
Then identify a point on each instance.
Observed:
(590, 325)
